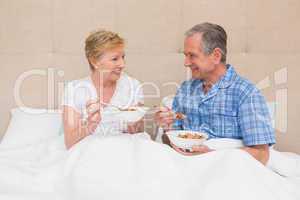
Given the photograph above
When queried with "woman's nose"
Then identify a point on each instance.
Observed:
(122, 63)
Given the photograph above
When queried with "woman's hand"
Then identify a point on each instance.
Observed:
(136, 127)
(93, 109)
(75, 127)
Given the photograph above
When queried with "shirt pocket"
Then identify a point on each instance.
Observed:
(190, 108)
(225, 122)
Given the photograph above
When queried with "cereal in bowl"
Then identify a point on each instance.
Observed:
(190, 136)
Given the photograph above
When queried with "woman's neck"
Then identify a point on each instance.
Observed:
(102, 81)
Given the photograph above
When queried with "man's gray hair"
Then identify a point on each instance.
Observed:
(213, 36)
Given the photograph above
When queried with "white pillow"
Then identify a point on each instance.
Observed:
(30, 126)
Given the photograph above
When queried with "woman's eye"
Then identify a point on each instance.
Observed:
(115, 59)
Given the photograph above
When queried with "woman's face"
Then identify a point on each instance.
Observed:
(111, 63)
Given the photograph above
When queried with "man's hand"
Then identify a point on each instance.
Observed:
(164, 117)
(259, 152)
(196, 150)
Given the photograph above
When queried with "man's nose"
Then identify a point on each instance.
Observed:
(187, 62)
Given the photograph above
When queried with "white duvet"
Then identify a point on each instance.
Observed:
(130, 167)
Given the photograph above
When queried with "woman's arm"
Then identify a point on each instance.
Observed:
(75, 128)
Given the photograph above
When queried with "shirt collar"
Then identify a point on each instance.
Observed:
(228, 78)
(225, 81)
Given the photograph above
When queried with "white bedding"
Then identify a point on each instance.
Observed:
(131, 167)
(295, 181)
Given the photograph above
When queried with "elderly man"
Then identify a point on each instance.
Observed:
(216, 97)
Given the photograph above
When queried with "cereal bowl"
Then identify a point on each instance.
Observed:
(132, 114)
(186, 139)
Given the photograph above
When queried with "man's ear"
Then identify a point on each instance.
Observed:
(217, 55)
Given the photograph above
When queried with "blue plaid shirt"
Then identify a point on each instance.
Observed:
(232, 108)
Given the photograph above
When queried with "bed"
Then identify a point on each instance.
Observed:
(35, 165)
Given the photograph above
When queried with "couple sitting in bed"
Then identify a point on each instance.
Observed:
(215, 97)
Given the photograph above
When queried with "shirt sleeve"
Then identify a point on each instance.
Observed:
(255, 121)
(69, 97)
(138, 93)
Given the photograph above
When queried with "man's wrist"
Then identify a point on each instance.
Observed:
(259, 152)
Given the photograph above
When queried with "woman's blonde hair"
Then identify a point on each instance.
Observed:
(100, 41)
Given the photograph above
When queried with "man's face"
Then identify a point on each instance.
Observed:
(200, 64)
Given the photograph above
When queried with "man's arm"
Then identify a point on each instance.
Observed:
(255, 124)
(259, 152)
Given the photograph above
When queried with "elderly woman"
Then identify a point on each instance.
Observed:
(86, 100)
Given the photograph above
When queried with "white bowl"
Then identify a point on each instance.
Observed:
(130, 116)
(185, 143)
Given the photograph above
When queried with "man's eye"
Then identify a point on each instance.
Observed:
(115, 59)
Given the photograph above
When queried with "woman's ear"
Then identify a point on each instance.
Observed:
(94, 62)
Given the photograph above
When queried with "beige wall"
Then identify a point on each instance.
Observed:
(38, 34)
